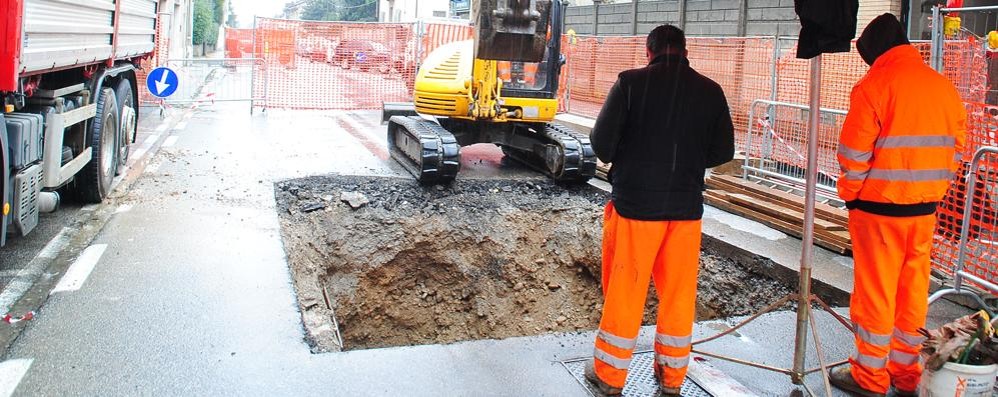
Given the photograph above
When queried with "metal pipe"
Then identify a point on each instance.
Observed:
(935, 56)
(807, 252)
(966, 9)
(768, 309)
(819, 351)
(744, 362)
(831, 365)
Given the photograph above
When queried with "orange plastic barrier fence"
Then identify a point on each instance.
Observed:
(334, 65)
(238, 43)
(160, 54)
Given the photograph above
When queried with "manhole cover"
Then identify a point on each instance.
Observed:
(640, 380)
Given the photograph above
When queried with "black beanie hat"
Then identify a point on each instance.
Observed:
(882, 34)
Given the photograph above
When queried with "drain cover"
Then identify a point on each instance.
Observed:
(640, 380)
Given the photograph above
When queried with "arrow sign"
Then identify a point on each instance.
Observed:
(162, 82)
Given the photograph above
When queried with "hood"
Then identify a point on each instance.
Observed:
(882, 34)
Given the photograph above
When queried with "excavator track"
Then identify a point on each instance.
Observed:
(425, 149)
(566, 156)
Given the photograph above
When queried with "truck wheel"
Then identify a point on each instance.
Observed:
(94, 180)
(129, 121)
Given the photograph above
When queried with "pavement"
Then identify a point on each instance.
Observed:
(185, 289)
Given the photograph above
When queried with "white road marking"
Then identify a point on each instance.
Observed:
(149, 141)
(170, 141)
(123, 208)
(26, 277)
(78, 272)
(162, 127)
(11, 374)
(181, 126)
(138, 154)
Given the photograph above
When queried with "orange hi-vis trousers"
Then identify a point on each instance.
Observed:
(890, 298)
(634, 252)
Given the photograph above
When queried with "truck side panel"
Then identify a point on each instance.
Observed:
(62, 33)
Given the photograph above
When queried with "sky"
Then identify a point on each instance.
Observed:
(245, 9)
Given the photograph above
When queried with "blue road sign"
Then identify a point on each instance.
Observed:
(162, 82)
(361, 57)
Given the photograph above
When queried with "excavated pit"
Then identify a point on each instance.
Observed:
(476, 259)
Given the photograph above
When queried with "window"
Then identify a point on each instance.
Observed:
(440, 14)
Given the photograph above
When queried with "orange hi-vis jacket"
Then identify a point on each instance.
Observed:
(902, 140)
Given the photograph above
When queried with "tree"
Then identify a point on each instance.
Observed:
(340, 10)
(231, 21)
(203, 21)
(219, 11)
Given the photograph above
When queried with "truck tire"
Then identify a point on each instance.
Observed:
(94, 180)
(129, 120)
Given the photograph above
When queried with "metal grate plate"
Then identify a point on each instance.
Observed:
(640, 379)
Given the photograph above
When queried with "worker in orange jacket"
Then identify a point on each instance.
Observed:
(661, 126)
(900, 146)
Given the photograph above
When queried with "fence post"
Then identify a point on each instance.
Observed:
(938, 41)
(767, 143)
(682, 15)
(634, 17)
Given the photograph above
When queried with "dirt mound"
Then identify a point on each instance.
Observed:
(403, 264)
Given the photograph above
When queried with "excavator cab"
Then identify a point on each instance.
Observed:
(500, 88)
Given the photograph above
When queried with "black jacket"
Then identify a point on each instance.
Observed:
(661, 127)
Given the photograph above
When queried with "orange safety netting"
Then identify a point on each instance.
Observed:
(334, 65)
(238, 43)
(160, 54)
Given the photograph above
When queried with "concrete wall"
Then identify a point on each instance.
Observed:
(702, 17)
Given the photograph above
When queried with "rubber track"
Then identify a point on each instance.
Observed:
(578, 164)
(440, 154)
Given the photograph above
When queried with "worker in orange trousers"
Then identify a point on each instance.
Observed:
(661, 127)
(900, 145)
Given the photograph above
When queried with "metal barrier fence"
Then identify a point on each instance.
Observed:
(776, 145)
(977, 260)
(335, 65)
(209, 80)
(951, 27)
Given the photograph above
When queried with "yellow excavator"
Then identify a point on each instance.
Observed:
(500, 88)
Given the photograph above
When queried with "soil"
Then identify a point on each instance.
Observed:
(472, 260)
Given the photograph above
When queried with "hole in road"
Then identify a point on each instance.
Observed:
(477, 259)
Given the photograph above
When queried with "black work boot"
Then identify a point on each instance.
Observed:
(841, 377)
(895, 392)
(663, 390)
(601, 386)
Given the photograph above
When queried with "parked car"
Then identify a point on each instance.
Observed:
(366, 55)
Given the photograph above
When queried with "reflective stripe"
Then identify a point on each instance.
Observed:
(958, 157)
(609, 359)
(911, 175)
(882, 340)
(856, 176)
(903, 358)
(869, 361)
(918, 141)
(855, 155)
(616, 341)
(914, 341)
(673, 362)
(673, 341)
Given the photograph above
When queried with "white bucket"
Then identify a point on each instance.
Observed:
(960, 380)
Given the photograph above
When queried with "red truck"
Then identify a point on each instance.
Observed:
(69, 100)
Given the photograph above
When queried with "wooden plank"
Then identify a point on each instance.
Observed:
(824, 211)
(831, 240)
(781, 212)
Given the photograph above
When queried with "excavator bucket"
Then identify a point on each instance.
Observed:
(511, 30)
